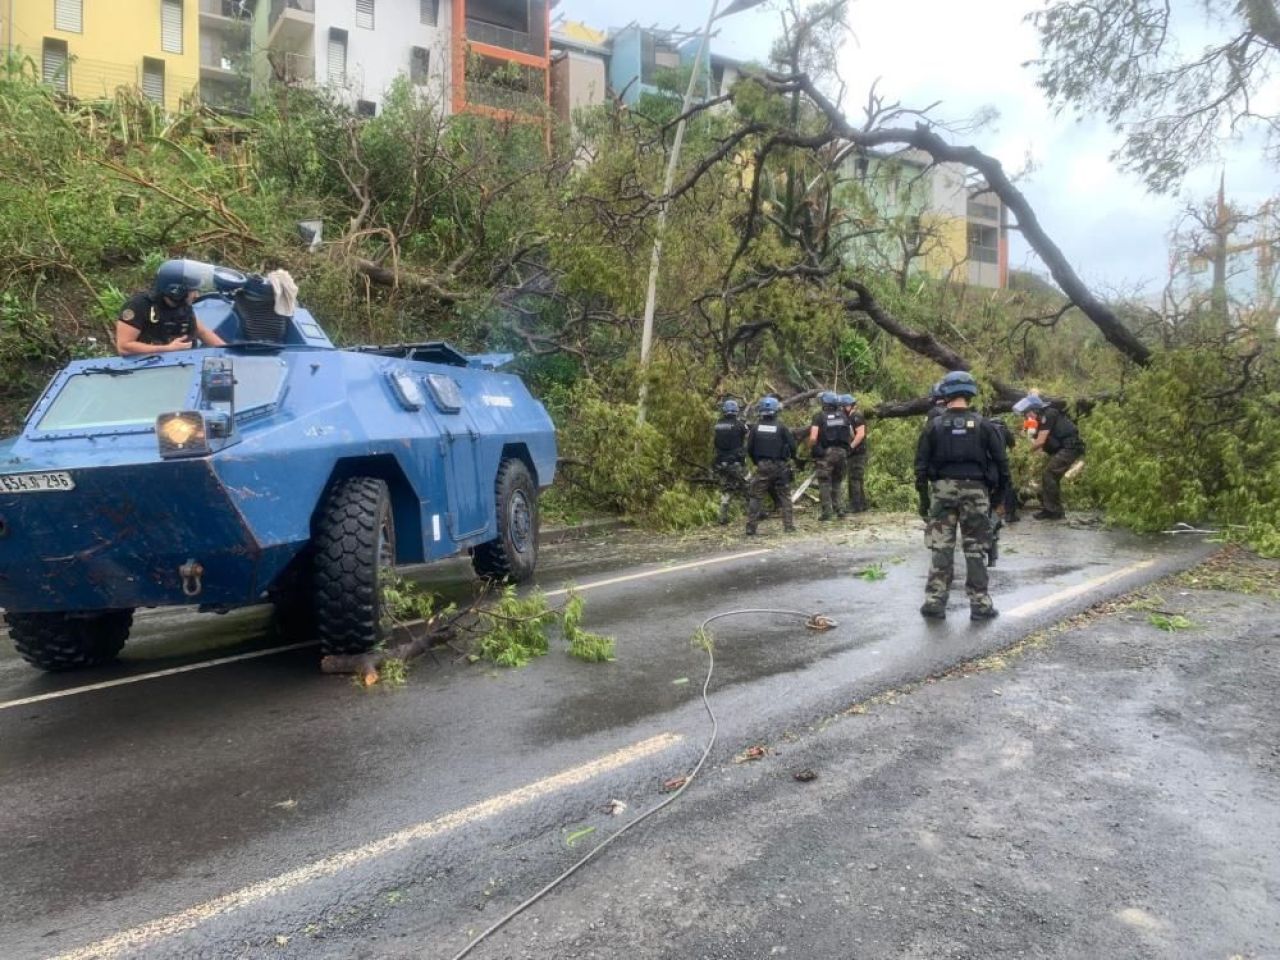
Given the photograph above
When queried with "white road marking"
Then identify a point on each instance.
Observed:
(645, 574)
(137, 678)
(147, 934)
(205, 664)
(1070, 593)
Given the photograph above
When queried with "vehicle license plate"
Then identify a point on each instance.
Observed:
(35, 482)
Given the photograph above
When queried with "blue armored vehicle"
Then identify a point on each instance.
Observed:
(274, 469)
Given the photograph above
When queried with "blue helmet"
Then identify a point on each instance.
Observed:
(729, 408)
(958, 383)
(828, 399)
(847, 399)
(769, 406)
(1031, 401)
(174, 280)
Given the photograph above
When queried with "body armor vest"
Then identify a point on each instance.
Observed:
(729, 435)
(835, 430)
(958, 452)
(766, 441)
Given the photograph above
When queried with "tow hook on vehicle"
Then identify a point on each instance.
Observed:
(191, 572)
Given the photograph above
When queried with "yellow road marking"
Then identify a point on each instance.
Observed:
(137, 678)
(1044, 603)
(220, 661)
(145, 935)
(660, 571)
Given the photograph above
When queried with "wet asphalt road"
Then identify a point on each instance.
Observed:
(140, 808)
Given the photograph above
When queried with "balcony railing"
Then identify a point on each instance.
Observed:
(503, 37)
(228, 96)
(504, 98)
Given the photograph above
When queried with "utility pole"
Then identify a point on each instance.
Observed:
(655, 261)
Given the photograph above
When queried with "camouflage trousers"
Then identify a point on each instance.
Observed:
(857, 473)
(1051, 480)
(964, 504)
(771, 476)
(828, 469)
(731, 475)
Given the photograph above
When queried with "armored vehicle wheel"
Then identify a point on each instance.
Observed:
(60, 641)
(355, 552)
(513, 553)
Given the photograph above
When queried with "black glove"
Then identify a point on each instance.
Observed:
(922, 488)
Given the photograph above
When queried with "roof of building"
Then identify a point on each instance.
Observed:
(573, 35)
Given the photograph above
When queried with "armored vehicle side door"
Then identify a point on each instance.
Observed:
(470, 495)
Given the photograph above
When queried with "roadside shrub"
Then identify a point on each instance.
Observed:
(1202, 444)
(890, 481)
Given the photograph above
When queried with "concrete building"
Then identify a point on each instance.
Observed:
(589, 66)
(354, 48)
(501, 58)
(931, 210)
(225, 62)
(88, 49)
(579, 70)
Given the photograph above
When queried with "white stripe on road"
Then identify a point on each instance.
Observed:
(204, 664)
(168, 672)
(1070, 593)
(147, 934)
(659, 572)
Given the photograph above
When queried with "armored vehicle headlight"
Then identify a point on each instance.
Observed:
(182, 434)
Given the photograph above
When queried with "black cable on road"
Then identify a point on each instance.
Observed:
(812, 620)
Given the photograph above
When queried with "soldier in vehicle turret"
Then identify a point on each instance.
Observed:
(161, 320)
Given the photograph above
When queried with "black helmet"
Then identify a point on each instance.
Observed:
(958, 383)
(174, 280)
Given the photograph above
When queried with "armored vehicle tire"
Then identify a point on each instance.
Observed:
(513, 553)
(60, 641)
(355, 552)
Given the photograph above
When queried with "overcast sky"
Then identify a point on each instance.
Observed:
(969, 56)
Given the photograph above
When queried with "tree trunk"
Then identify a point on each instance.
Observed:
(926, 139)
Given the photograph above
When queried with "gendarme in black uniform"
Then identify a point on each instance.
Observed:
(771, 448)
(728, 461)
(157, 321)
(730, 436)
(1065, 446)
(830, 455)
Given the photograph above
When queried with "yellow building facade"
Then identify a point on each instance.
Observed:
(89, 48)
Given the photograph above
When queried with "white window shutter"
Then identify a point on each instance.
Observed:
(364, 14)
(68, 15)
(171, 26)
(337, 72)
(53, 66)
(153, 80)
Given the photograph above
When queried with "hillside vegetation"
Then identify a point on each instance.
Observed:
(471, 230)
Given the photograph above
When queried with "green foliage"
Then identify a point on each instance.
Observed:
(890, 480)
(514, 630)
(591, 647)
(1193, 443)
(872, 572)
(1169, 622)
